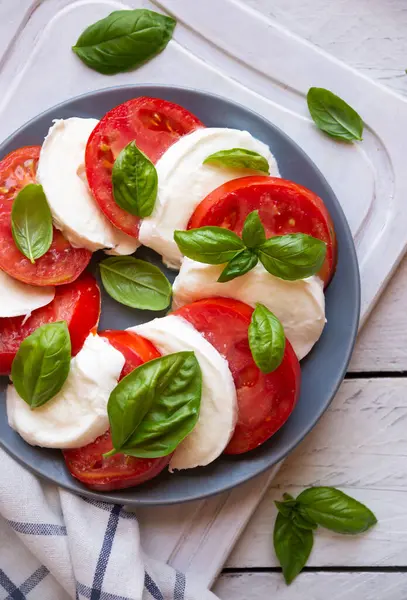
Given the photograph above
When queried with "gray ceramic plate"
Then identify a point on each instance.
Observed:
(323, 369)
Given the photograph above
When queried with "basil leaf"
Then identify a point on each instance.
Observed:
(135, 283)
(156, 406)
(292, 545)
(333, 115)
(302, 522)
(42, 363)
(285, 508)
(210, 245)
(31, 222)
(335, 510)
(266, 339)
(253, 234)
(135, 181)
(239, 158)
(293, 256)
(124, 40)
(242, 263)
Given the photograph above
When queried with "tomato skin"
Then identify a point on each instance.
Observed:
(284, 207)
(77, 303)
(119, 471)
(17, 169)
(264, 401)
(154, 124)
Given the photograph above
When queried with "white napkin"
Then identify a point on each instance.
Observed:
(57, 546)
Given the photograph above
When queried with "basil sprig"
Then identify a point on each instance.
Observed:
(239, 158)
(124, 40)
(299, 517)
(42, 363)
(135, 283)
(266, 339)
(135, 181)
(31, 222)
(156, 406)
(293, 256)
(333, 115)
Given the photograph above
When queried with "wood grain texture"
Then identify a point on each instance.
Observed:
(313, 586)
(360, 446)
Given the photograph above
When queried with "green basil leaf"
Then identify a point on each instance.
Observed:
(293, 256)
(156, 406)
(31, 222)
(266, 339)
(42, 363)
(239, 158)
(303, 522)
(335, 510)
(210, 245)
(242, 263)
(333, 115)
(124, 40)
(253, 234)
(285, 508)
(135, 181)
(288, 498)
(135, 283)
(292, 546)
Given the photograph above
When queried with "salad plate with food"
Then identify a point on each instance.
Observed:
(179, 294)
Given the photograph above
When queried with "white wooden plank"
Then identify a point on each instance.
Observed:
(382, 343)
(14, 15)
(315, 586)
(359, 445)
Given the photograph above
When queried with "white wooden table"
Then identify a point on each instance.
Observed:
(360, 444)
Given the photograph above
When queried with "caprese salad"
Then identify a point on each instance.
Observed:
(220, 373)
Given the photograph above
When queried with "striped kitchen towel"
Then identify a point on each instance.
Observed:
(57, 546)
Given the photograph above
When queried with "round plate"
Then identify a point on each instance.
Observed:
(322, 370)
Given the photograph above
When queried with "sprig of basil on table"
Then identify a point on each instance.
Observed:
(124, 40)
(298, 518)
(266, 339)
(239, 158)
(135, 283)
(31, 222)
(134, 181)
(156, 406)
(333, 115)
(42, 363)
(292, 256)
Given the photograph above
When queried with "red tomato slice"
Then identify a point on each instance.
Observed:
(119, 471)
(77, 303)
(284, 207)
(17, 169)
(264, 401)
(154, 124)
(62, 263)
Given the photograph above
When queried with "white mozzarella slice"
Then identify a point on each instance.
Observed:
(19, 299)
(77, 415)
(217, 416)
(125, 244)
(184, 181)
(61, 171)
(300, 305)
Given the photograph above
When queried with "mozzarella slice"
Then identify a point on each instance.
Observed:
(19, 299)
(184, 181)
(217, 416)
(300, 305)
(61, 171)
(77, 415)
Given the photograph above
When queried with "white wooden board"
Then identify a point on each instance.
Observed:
(244, 56)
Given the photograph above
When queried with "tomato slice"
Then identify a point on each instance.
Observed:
(17, 169)
(62, 263)
(154, 124)
(284, 207)
(264, 401)
(77, 303)
(119, 471)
